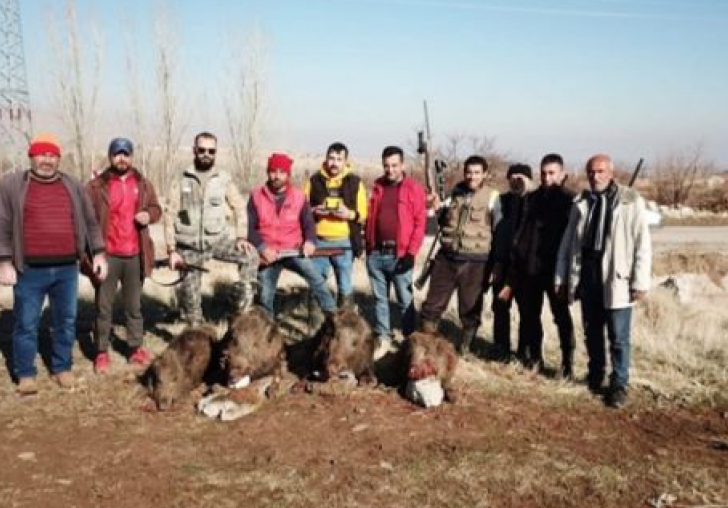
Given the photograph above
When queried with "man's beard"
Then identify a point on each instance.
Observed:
(204, 163)
(276, 185)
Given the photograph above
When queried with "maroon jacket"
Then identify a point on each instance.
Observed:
(411, 216)
(98, 191)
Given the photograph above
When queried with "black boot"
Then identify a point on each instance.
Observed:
(466, 339)
(567, 365)
(429, 326)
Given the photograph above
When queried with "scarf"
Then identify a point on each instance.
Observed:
(599, 219)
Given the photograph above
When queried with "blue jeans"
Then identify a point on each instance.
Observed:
(617, 322)
(342, 264)
(60, 283)
(382, 274)
(268, 280)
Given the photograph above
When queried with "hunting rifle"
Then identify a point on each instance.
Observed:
(183, 269)
(318, 253)
(636, 172)
(435, 183)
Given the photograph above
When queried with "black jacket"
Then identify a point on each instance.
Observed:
(536, 242)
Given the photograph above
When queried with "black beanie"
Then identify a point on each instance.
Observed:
(520, 169)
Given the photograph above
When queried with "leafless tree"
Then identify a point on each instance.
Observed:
(141, 131)
(677, 174)
(245, 101)
(77, 78)
(171, 128)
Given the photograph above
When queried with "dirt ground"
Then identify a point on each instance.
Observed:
(514, 438)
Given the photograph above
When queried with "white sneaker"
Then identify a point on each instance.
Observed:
(384, 346)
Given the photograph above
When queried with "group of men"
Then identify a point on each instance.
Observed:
(523, 243)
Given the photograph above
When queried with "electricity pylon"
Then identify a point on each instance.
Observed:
(15, 113)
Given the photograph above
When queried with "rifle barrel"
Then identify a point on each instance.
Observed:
(636, 172)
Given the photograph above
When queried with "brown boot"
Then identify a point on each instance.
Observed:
(65, 379)
(27, 386)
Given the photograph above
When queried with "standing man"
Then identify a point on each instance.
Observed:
(282, 229)
(510, 209)
(533, 263)
(605, 259)
(125, 204)
(46, 225)
(394, 234)
(196, 228)
(466, 228)
(339, 203)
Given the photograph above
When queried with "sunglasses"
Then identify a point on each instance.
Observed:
(202, 151)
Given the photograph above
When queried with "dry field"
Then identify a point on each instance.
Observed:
(514, 439)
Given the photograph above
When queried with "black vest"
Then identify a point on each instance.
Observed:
(347, 192)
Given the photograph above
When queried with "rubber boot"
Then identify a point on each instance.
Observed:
(567, 365)
(316, 316)
(466, 339)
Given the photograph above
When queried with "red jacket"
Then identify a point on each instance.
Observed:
(98, 191)
(411, 215)
(279, 231)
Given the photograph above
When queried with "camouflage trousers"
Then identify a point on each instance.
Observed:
(189, 290)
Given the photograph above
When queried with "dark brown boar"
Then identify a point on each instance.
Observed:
(346, 345)
(252, 347)
(430, 355)
(181, 367)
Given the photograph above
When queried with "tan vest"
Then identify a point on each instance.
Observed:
(201, 219)
(467, 225)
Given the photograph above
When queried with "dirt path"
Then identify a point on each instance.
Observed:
(368, 448)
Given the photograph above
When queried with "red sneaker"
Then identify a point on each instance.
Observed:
(102, 363)
(141, 357)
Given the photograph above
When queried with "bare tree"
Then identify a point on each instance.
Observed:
(678, 173)
(245, 102)
(78, 81)
(171, 128)
(141, 128)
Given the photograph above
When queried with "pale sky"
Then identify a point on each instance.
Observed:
(629, 78)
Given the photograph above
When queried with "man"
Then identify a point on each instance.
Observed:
(339, 203)
(461, 261)
(196, 228)
(510, 209)
(605, 259)
(282, 229)
(125, 204)
(46, 225)
(394, 233)
(533, 263)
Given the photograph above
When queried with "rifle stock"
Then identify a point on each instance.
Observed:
(427, 267)
(184, 267)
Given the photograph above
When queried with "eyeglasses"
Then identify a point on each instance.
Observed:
(201, 151)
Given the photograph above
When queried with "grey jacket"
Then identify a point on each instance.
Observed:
(13, 191)
(627, 259)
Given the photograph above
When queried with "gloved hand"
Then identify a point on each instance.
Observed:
(405, 264)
